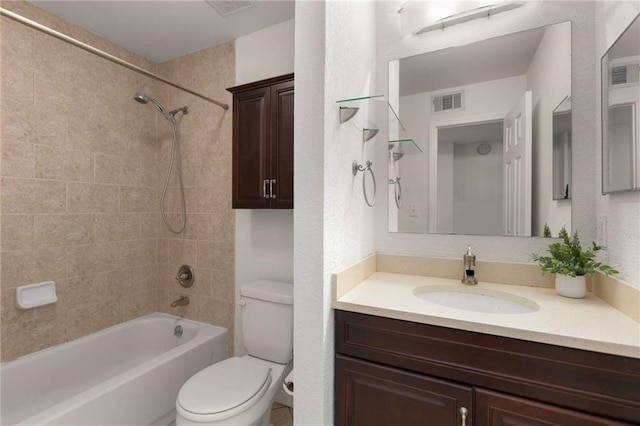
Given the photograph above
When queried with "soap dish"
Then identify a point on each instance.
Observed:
(33, 295)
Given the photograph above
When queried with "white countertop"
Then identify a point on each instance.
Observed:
(588, 323)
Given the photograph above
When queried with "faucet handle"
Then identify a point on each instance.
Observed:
(186, 276)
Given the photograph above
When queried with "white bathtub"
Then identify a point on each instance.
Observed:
(128, 374)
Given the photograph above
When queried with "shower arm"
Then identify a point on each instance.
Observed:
(60, 36)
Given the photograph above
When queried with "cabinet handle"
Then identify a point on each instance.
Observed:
(271, 183)
(264, 188)
(463, 414)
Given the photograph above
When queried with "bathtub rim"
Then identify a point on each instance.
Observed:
(144, 318)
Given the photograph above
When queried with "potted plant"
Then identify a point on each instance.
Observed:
(571, 263)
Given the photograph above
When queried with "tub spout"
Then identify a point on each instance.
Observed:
(184, 300)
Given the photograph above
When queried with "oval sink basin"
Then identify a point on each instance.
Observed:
(477, 299)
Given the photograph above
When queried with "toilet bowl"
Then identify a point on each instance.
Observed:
(247, 389)
(241, 390)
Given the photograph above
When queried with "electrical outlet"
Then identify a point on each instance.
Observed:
(413, 210)
(601, 233)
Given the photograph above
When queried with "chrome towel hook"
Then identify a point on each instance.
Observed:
(355, 168)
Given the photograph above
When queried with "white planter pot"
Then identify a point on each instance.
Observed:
(575, 287)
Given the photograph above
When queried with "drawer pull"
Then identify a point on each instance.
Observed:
(463, 414)
(264, 188)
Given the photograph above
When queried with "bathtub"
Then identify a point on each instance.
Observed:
(128, 374)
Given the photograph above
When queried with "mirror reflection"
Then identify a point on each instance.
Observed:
(620, 113)
(562, 150)
(484, 117)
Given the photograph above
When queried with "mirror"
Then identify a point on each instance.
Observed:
(562, 150)
(484, 118)
(621, 112)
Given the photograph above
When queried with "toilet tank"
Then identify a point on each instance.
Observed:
(267, 320)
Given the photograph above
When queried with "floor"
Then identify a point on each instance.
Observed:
(281, 415)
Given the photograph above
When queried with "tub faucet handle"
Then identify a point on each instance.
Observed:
(185, 276)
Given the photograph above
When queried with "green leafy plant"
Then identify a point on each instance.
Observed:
(546, 233)
(569, 258)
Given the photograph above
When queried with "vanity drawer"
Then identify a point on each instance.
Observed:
(602, 384)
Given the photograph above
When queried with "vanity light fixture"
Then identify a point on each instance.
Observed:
(469, 15)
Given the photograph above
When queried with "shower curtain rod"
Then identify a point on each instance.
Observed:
(102, 54)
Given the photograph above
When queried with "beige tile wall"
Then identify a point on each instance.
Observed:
(82, 171)
(205, 139)
(79, 185)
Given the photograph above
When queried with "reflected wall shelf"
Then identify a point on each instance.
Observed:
(381, 115)
(404, 147)
(368, 134)
(347, 113)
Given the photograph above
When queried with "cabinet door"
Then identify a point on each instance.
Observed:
(282, 145)
(370, 394)
(498, 409)
(251, 150)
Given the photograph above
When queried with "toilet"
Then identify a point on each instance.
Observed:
(241, 390)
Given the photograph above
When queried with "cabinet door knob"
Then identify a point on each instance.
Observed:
(463, 415)
(264, 188)
(271, 183)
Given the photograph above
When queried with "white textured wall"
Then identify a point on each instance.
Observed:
(335, 58)
(310, 311)
(265, 53)
(549, 79)
(622, 211)
(392, 45)
(264, 238)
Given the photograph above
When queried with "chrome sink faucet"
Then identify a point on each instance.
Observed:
(469, 268)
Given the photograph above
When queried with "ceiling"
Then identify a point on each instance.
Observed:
(486, 60)
(162, 30)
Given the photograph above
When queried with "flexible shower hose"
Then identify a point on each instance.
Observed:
(175, 158)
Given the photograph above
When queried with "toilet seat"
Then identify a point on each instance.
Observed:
(223, 390)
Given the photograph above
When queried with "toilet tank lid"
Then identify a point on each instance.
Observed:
(270, 291)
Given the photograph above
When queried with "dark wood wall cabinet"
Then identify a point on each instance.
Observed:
(263, 144)
(392, 372)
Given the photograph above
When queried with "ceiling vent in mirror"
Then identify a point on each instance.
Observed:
(231, 7)
(448, 102)
(624, 74)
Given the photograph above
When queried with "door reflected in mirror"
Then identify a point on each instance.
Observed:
(621, 113)
(484, 117)
(562, 150)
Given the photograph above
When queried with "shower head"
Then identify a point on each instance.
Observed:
(141, 97)
(145, 99)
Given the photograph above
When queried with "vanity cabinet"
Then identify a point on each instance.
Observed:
(493, 408)
(373, 394)
(389, 371)
(263, 144)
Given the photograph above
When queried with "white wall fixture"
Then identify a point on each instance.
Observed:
(33, 295)
(485, 11)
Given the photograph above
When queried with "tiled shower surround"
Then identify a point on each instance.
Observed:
(83, 166)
